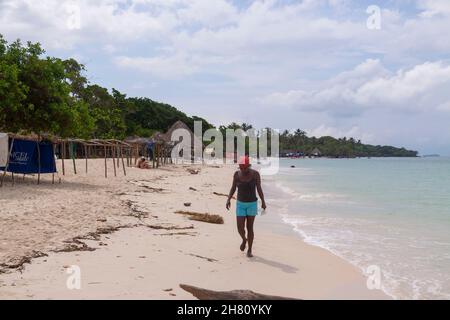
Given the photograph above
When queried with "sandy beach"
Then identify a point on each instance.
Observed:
(124, 235)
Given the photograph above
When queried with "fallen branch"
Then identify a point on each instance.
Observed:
(222, 195)
(192, 234)
(202, 217)
(169, 228)
(155, 190)
(201, 257)
(203, 294)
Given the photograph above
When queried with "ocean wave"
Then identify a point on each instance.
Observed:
(295, 195)
(413, 259)
(348, 239)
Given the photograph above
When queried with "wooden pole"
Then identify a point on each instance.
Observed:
(118, 155)
(113, 151)
(86, 148)
(159, 157)
(7, 161)
(72, 153)
(106, 164)
(63, 155)
(54, 163)
(123, 162)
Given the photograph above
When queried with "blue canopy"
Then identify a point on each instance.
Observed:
(24, 157)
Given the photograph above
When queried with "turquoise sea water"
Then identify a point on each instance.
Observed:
(393, 213)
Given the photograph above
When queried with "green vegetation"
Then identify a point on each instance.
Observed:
(299, 142)
(48, 95)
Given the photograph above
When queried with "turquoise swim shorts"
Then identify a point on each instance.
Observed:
(247, 209)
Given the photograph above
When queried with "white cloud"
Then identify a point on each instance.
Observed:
(101, 21)
(432, 8)
(172, 67)
(221, 55)
(371, 86)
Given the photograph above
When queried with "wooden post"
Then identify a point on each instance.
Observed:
(118, 155)
(86, 148)
(106, 164)
(136, 155)
(54, 163)
(154, 155)
(7, 161)
(123, 162)
(113, 151)
(158, 159)
(63, 155)
(72, 153)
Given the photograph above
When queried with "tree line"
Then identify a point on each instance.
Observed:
(50, 95)
(41, 94)
(298, 141)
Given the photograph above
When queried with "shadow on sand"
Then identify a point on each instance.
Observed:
(275, 264)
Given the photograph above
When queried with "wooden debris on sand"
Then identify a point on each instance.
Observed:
(222, 195)
(203, 294)
(169, 228)
(192, 234)
(203, 217)
(204, 258)
(193, 171)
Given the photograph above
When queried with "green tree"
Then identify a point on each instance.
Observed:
(41, 99)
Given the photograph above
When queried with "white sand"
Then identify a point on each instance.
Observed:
(141, 263)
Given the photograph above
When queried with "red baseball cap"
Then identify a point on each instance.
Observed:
(244, 162)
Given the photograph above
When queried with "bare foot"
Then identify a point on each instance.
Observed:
(243, 245)
(249, 254)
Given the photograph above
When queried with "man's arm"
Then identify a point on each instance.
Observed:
(260, 191)
(232, 191)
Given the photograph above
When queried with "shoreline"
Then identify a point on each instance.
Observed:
(144, 263)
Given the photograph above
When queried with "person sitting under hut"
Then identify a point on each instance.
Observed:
(143, 164)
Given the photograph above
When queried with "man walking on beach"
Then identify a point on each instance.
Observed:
(247, 181)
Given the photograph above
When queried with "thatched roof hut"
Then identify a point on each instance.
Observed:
(138, 140)
(181, 125)
(316, 152)
(160, 138)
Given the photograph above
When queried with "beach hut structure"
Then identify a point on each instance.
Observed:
(316, 152)
(110, 148)
(37, 154)
(195, 141)
(162, 149)
(140, 147)
(32, 154)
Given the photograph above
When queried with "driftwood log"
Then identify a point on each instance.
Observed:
(203, 294)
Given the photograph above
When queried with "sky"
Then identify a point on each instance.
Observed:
(378, 71)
